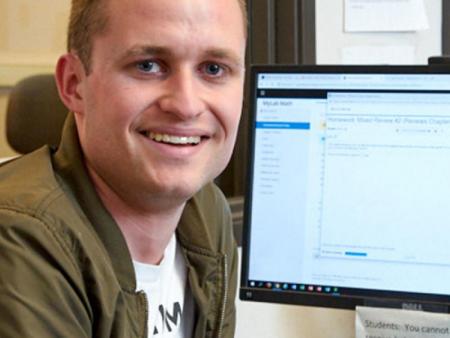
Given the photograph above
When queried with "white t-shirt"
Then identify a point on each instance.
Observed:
(170, 302)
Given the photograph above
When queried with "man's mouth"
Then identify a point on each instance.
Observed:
(173, 139)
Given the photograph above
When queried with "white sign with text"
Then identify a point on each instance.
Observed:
(396, 323)
(385, 15)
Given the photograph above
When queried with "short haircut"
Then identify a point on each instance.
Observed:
(88, 18)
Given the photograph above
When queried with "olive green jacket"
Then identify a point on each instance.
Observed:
(65, 269)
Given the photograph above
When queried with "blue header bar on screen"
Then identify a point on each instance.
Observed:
(283, 125)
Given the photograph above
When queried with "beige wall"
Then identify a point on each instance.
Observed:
(32, 36)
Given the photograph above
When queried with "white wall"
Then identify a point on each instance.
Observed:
(331, 38)
(282, 321)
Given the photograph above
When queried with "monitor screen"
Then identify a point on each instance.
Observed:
(348, 192)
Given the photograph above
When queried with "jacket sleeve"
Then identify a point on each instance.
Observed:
(39, 296)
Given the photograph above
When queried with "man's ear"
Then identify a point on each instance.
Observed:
(69, 76)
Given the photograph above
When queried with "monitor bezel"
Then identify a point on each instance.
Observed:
(377, 298)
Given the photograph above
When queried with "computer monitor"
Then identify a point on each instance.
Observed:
(348, 191)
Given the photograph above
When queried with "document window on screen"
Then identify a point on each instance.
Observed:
(348, 184)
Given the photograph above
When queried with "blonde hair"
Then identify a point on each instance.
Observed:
(88, 18)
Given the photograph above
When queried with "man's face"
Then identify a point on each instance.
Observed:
(162, 103)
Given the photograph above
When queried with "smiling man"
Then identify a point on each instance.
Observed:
(121, 232)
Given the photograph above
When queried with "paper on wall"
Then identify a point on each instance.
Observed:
(378, 55)
(392, 323)
(385, 15)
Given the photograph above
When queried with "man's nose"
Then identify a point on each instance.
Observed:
(183, 95)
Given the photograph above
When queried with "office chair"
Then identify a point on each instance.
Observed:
(34, 114)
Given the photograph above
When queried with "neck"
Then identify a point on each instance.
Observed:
(147, 231)
(148, 234)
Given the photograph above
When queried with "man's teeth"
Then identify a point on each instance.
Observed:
(174, 139)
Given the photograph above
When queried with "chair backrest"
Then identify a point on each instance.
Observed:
(35, 114)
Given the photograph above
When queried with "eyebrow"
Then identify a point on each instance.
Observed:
(216, 53)
(145, 50)
(225, 54)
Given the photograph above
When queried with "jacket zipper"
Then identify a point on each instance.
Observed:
(225, 296)
(146, 314)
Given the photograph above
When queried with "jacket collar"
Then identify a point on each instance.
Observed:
(69, 164)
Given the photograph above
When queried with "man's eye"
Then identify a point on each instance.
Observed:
(149, 66)
(213, 69)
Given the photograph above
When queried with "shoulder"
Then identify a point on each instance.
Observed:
(37, 209)
(30, 234)
(29, 191)
(27, 181)
(30, 188)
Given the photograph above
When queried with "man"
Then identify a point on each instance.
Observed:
(155, 88)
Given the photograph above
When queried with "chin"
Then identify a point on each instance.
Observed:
(190, 191)
(182, 187)
(181, 193)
